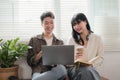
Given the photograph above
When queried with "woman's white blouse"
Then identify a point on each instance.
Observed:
(94, 49)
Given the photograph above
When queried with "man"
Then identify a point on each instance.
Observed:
(34, 58)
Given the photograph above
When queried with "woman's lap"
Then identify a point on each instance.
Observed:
(83, 73)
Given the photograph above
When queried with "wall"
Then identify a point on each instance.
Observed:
(112, 65)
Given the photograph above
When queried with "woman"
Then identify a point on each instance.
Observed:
(82, 36)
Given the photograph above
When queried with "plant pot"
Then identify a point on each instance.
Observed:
(5, 73)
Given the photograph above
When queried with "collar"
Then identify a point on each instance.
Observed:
(41, 36)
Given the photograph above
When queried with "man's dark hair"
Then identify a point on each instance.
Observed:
(47, 14)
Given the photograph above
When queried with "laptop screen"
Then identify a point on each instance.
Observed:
(58, 54)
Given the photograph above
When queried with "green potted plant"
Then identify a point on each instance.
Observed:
(10, 51)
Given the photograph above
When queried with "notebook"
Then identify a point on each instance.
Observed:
(58, 54)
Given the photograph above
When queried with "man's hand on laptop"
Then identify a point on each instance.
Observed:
(38, 56)
(53, 65)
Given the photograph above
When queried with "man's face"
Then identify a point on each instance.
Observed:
(48, 25)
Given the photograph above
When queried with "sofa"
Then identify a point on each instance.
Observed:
(24, 71)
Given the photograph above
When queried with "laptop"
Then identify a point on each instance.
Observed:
(58, 54)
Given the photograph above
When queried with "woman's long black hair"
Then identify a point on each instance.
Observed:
(76, 19)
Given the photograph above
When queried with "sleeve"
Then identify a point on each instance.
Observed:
(61, 42)
(31, 53)
(98, 60)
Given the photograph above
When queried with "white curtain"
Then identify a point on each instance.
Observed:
(107, 23)
(21, 18)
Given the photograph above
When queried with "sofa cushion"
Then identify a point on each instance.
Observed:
(24, 71)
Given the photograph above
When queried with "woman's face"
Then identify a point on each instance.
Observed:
(48, 25)
(80, 27)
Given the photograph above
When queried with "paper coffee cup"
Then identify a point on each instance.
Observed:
(79, 50)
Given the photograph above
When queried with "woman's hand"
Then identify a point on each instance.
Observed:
(38, 56)
(78, 53)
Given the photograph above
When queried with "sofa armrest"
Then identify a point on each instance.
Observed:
(24, 71)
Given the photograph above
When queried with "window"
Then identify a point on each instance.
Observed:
(21, 18)
(67, 9)
(6, 18)
(106, 23)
